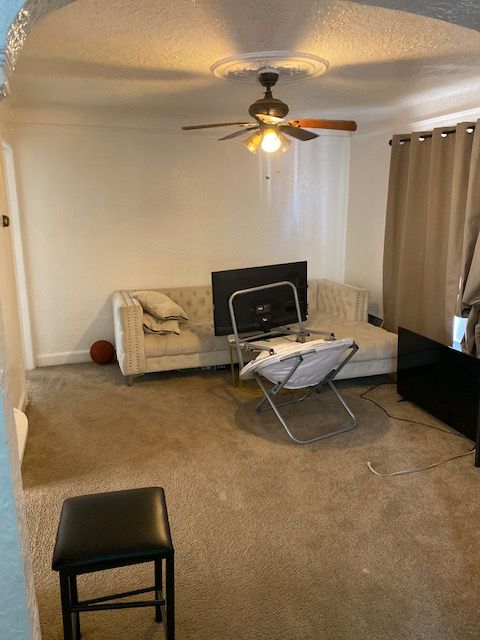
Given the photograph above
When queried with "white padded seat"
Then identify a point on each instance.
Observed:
(319, 358)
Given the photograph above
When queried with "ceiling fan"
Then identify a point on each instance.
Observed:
(270, 126)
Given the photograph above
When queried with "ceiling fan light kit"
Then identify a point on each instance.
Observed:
(269, 113)
(274, 141)
(253, 141)
(270, 141)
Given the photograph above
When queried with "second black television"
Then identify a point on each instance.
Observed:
(259, 310)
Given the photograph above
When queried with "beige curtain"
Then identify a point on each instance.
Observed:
(432, 247)
(468, 304)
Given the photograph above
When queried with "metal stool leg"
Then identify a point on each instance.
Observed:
(66, 602)
(74, 601)
(170, 598)
(158, 590)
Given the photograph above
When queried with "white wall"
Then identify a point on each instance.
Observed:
(105, 208)
(369, 169)
(9, 299)
(368, 188)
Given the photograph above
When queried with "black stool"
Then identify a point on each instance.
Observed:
(108, 530)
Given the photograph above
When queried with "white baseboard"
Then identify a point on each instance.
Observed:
(63, 357)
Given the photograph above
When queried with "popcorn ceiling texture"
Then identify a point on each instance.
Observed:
(463, 12)
(28, 16)
(155, 56)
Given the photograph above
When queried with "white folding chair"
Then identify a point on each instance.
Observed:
(292, 365)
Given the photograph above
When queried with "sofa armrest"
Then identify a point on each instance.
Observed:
(129, 336)
(342, 300)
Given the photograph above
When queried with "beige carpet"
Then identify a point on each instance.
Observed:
(272, 540)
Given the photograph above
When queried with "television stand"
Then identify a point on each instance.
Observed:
(442, 381)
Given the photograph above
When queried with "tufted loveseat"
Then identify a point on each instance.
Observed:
(339, 308)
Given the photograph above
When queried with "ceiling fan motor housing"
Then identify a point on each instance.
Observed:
(268, 105)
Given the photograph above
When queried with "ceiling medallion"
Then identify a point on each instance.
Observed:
(290, 66)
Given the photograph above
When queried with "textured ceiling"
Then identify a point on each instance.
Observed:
(463, 12)
(153, 57)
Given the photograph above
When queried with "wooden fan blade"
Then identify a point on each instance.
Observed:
(311, 123)
(238, 133)
(296, 132)
(218, 124)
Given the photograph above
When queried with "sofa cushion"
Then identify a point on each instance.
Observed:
(195, 338)
(160, 305)
(374, 343)
(151, 324)
(196, 301)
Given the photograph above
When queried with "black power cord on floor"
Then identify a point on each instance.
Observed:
(423, 424)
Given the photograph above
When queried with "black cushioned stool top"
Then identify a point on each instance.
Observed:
(105, 530)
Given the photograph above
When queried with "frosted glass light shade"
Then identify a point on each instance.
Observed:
(271, 142)
(253, 141)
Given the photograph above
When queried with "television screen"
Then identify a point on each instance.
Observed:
(259, 310)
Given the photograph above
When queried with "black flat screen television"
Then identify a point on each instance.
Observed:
(259, 310)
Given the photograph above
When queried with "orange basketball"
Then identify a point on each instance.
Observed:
(102, 352)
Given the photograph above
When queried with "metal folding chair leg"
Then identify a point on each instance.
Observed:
(275, 407)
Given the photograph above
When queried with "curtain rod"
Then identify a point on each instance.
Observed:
(445, 132)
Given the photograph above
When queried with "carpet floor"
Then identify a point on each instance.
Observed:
(272, 540)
